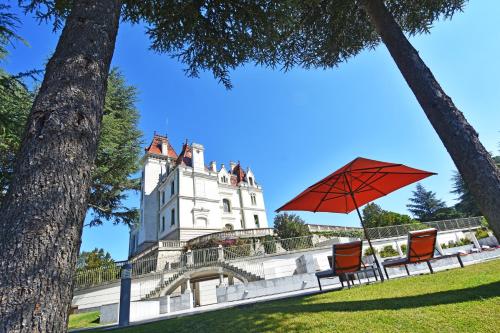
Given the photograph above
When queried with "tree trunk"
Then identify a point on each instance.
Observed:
(43, 212)
(460, 139)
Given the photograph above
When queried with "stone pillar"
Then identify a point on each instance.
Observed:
(305, 264)
(230, 280)
(474, 240)
(398, 248)
(168, 304)
(189, 257)
(125, 287)
(221, 279)
(191, 300)
(438, 247)
(220, 252)
(188, 285)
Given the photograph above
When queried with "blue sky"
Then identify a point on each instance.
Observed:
(294, 128)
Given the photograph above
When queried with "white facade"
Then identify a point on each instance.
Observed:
(181, 198)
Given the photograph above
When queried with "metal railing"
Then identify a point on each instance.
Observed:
(322, 227)
(274, 246)
(243, 233)
(255, 268)
(444, 225)
(86, 278)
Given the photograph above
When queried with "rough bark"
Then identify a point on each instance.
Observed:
(460, 139)
(42, 214)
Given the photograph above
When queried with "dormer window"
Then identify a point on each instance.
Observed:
(223, 179)
(250, 180)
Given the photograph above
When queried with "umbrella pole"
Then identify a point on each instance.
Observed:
(368, 239)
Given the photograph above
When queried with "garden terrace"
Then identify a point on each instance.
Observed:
(423, 303)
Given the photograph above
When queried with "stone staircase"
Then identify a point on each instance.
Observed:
(248, 275)
(155, 293)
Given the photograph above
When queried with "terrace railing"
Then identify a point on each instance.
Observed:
(444, 225)
(86, 278)
(237, 255)
(172, 244)
(244, 233)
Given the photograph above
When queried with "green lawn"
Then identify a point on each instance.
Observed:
(87, 319)
(459, 300)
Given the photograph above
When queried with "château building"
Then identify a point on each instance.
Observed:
(182, 198)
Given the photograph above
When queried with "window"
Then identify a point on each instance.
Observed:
(162, 197)
(223, 179)
(172, 188)
(172, 217)
(250, 179)
(253, 198)
(227, 205)
(256, 219)
(163, 223)
(228, 227)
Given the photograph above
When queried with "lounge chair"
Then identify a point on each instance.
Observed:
(421, 245)
(346, 261)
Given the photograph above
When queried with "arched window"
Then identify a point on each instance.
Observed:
(223, 179)
(250, 179)
(253, 198)
(226, 205)
(228, 227)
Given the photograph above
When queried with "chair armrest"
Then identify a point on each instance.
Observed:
(323, 274)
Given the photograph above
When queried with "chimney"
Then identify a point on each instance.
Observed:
(164, 147)
(232, 165)
(198, 157)
(213, 166)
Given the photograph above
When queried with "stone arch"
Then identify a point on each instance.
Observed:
(214, 271)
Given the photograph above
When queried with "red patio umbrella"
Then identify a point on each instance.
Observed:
(355, 184)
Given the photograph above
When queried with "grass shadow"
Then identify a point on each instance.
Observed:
(481, 292)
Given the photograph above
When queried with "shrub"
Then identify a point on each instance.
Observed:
(404, 247)
(388, 251)
(290, 225)
(460, 242)
(482, 233)
(369, 252)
